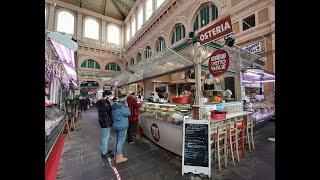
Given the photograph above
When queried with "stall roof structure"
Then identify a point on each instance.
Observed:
(170, 61)
(165, 62)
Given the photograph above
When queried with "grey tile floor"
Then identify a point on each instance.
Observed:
(81, 158)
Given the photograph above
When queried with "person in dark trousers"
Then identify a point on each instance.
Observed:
(120, 114)
(105, 121)
(133, 118)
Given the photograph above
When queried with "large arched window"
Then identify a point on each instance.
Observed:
(179, 32)
(91, 29)
(128, 32)
(65, 22)
(147, 52)
(112, 67)
(160, 45)
(148, 9)
(140, 18)
(159, 2)
(131, 62)
(206, 14)
(113, 34)
(138, 57)
(133, 26)
(90, 63)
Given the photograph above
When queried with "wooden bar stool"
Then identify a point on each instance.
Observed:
(240, 124)
(249, 132)
(233, 140)
(220, 143)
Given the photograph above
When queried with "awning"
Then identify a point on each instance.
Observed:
(165, 62)
(239, 58)
(252, 75)
(65, 48)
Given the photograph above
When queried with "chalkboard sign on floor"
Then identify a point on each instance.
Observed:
(196, 157)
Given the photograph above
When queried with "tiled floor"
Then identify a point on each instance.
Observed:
(81, 158)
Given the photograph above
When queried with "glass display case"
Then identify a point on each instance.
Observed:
(262, 110)
(54, 125)
(169, 113)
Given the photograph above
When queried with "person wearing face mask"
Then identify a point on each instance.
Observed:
(105, 121)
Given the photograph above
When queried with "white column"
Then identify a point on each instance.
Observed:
(79, 26)
(103, 33)
(197, 69)
(51, 17)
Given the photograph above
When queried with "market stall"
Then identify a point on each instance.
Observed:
(60, 79)
(212, 90)
(253, 81)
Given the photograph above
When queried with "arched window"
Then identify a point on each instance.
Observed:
(148, 9)
(207, 13)
(159, 2)
(128, 32)
(161, 45)
(127, 65)
(112, 67)
(179, 32)
(91, 29)
(140, 18)
(147, 52)
(133, 26)
(113, 34)
(138, 57)
(65, 22)
(90, 63)
(131, 62)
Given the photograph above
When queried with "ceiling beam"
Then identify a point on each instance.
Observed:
(124, 5)
(123, 16)
(105, 7)
(81, 3)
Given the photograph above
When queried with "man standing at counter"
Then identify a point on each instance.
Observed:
(133, 118)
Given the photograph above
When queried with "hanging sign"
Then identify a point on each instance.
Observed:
(253, 48)
(216, 31)
(218, 62)
(196, 153)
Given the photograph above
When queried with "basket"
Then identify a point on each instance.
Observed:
(218, 115)
(180, 100)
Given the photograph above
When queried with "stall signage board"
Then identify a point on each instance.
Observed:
(196, 154)
(218, 62)
(253, 48)
(216, 31)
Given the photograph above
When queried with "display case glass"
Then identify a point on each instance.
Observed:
(169, 113)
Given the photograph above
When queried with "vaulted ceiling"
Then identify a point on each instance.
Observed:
(118, 9)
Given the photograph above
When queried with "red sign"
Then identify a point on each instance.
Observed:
(155, 132)
(218, 62)
(216, 31)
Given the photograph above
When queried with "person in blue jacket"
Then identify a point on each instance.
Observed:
(120, 114)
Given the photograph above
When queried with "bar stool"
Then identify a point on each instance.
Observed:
(249, 133)
(233, 140)
(240, 125)
(217, 138)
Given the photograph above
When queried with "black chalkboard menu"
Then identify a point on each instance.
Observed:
(229, 84)
(196, 147)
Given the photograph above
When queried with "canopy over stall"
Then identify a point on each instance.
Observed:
(65, 48)
(239, 58)
(165, 62)
(251, 75)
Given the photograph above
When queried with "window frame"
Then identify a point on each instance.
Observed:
(57, 20)
(244, 24)
(84, 27)
(108, 34)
